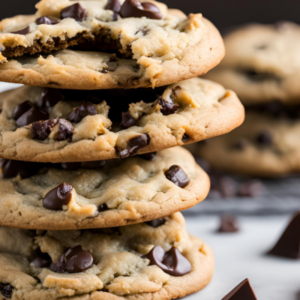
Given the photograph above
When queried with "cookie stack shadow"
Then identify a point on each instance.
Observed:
(91, 185)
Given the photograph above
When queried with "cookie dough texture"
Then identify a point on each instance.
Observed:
(206, 110)
(155, 52)
(280, 158)
(119, 272)
(262, 63)
(134, 190)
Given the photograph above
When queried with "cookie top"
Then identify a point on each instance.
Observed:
(262, 63)
(80, 126)
(152, 46)
(264, 146)
(146, 261)
(98, 195)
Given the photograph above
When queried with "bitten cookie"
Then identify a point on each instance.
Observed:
(96, 195)
(155, 260)
(262, 63)
(156, 46)
(67, 126)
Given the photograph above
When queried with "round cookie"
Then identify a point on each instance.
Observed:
(80, 125)
(262, 63)
(264, 146)
(123, 263)
(152, 51)
(119, 193)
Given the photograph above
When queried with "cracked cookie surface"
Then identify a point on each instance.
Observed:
(152, 52)
(120, 266)
(118, 193)
(79, 127)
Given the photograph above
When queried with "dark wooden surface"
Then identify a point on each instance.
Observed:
(224, 13)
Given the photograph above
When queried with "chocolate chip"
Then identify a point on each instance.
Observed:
(113, 5)
(185, 138)
(13, 168)
(94, 165)
(6, 290)
(242, 291)
(127, 120)
(65, 130)
(167, 108)
(112, 66)
(102, 207)
(49, 98)
(83, 110)
(75, 11)
(71, 166)
(156, 223)
(253, 188)
(58, 197)
(240, 145)
(23, 31)
(171, 262)
(41, 260)
(45, 20)
(32, 115)
(229, 224)
(177, 176)
(226, 186)
(41, 130)
(75, 260)
(22, 109)
(136, 9)
(289, 243)
(148, 156)
(264, 138)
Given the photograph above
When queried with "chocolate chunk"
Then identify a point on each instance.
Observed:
(23, 31)
(264, 138)
(177, 176)
(253, 188)
(45, 20)
(32, 115)
(136, 9)
(13, 168)
(65, 130)
(229, 224)
(75, 260)
(113, 5)
(243, 291)
(167, 108)
(41, 130)
(42, 260)
(83, 110)
(148, 156)
(22, 109)
(289, 243)
(75, 11)
(58, 197)
(171, 262)
(71, 166)
(6, 290)
(240, 145)
(156, 223)
(93, 165)
(102, 207)
(49, 98)
(185, 138)
(127, 120)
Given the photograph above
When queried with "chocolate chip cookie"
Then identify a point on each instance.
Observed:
(99, 194)
(144, 261)
(262, 63)
(50, 125)
(153, 45)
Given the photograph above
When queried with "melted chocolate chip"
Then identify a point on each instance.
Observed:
(156, 223)
(58, 197)
(22, 109)
(177, 176)
(13, 168)
(71, 166)
(94, 165)
(185, 138)
(127, 120)
(65, 130)
(46, 21)
(49, 98)
(242, 291)
(75, 260)
(171, 262)
(228, 224)
(23, 31)
(264, 138)
(136, 9)
(32, 115)
(42, 260)
(83, 110)
(75, 11)
(167, 108)
(113, 5)
(102, 207)
(41, 130)
(148, 156)
(6, 290)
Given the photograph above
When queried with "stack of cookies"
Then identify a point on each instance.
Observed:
(263, 66)
(90, 191)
